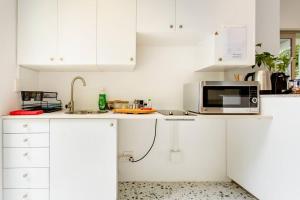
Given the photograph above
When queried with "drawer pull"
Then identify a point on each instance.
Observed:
(25, 196)
(25, 140)
(25, 175)
(25, 154)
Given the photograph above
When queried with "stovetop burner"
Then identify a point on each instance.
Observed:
(175, 113)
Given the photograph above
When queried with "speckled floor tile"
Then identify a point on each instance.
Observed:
(182, 191)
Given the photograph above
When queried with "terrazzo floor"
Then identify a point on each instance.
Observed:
(182, 191)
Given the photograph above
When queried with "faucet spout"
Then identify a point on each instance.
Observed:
(71, 105)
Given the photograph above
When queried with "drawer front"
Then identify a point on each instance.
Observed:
(26, 178)
(25, 157)
(26, 140)
(26, 126)
(26, 194)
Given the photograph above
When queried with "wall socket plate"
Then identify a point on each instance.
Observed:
(125, 155)
(176, 156)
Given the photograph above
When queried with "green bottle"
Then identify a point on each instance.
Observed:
(102, 100)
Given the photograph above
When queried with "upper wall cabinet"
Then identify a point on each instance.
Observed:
(77, 35)
(77, 28)
(37, 32)
(174, 15)
(156, 16)
(116, 33)
(59, 32)
(231, 41)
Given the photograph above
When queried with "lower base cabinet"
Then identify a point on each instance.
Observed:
(23, 194)
(83, 159)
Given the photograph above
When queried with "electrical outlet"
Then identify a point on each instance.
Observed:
(125, 155)
(176, 156)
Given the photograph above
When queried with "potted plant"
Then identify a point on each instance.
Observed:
(265, 61)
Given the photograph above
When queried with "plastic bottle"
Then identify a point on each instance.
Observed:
(149, 103)
(102, 100)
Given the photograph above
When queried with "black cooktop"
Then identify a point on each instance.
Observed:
(175, 113)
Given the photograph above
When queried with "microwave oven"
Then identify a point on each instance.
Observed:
(221, 97)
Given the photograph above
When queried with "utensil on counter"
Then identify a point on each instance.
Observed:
(118, 104)
(134, 111)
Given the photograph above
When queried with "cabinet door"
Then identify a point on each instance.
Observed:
(37, 32)
(77, 32)
(156, 15)
(83, 159)
(194, 15)
(116, 32)
(253, 157)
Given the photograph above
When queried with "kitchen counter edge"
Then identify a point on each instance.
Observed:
(110, 115)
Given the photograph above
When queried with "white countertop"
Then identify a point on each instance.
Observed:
(279, 95)
(111, 115)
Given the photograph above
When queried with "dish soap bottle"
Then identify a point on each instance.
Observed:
(102, 100)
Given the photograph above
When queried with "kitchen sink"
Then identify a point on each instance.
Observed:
(86, 112)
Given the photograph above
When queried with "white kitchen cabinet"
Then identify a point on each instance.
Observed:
(253, 157)
(77, 22)
(194, 15)
(231, 39)
(116, 32)
(37, 32)
(263, 156)
(83, 159)
(156, 16)
(59, 32)
(32, 194)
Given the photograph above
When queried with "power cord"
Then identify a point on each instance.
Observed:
(131, 159)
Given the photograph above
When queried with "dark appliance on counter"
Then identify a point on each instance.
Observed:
(221, 97)
(37, 100)
(279, 83)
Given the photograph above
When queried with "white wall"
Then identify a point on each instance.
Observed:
(290, 14)
(8, 69)
(8, 73)
(160, 74)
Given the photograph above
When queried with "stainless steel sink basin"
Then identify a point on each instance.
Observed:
(86, 112)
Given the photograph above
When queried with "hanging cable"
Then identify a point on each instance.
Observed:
(131, 159)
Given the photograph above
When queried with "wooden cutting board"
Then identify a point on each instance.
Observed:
(134, 111)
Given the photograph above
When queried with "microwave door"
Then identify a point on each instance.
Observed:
(226, 99)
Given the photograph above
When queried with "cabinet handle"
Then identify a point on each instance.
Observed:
(26, 154)
(25, 125)
(61, 59)
(131, 59)
(171, 26)
(51, 59)
(111, 124)
(25, 175)
(25, 140)
(216, 33)
(180, 26)
(220, 59)
(25, 196)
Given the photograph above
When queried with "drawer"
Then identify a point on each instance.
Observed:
(26, 140)
(26, 178)
(25, 157)
(26, 194)
(26, 126)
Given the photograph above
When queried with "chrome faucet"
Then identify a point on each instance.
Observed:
(70, 105)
